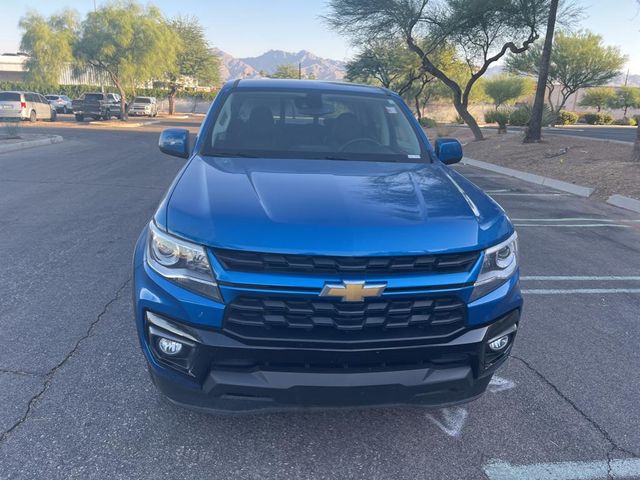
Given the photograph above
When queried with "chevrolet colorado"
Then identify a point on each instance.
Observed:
(317, 251)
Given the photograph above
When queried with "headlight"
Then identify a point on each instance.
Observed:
(181, 262)
(500, 263)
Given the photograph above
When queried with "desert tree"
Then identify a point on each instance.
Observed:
(129, 43)
(286, 71)
(195, 60)
(578, 60)
(483, 32)
(506, 89)
(49, 43)
(625, 98)
(598, 97)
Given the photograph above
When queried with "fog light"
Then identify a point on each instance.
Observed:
(169, 347)
(499, 343)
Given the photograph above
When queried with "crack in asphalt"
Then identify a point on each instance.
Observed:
(22, 372)
(591, 421)
(48, 377)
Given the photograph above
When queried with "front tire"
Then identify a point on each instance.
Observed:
(107, 115)
(32, 116)
(54, 115)
(79, 117)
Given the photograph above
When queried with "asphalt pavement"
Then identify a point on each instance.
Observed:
(76, 401)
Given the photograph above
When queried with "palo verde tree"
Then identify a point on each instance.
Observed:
(194, 58)
(578, 60)
(598, 97)
(506, 89)
(483, 31)
(388, 64)
(625, 98)
(48, 41)
(130, 43)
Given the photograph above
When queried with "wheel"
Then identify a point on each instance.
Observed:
(79, 117)
(107, 115)
(32, 116)
(54, 115)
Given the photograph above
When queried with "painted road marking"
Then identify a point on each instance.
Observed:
(550, 291)
(524, 194)
(581, 278)
(577, 219)
(499, 384)
(452, 420)
(597, 470)
(589, 225)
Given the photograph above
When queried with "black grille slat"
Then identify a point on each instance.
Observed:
(326, 320)
(235, 260)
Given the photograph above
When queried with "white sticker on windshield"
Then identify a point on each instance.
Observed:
(391, 110)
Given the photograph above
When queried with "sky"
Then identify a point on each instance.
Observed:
(247, 28)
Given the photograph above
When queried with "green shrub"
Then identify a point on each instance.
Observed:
(521, 115)
(567, 118)
(599, 118)
(626, 121)
(428, 122)
(501, 117)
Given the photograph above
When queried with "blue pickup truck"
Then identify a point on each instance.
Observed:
(316, 251)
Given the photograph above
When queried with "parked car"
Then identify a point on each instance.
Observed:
(317, 251)
(25, 106)
(144, 106)
(61, 103)
(97, 106)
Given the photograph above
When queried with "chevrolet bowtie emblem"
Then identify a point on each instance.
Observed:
(353, 291)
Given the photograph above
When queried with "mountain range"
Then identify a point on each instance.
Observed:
(268, 62)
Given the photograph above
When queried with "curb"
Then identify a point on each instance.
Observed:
(52, 139)
(578, 190)
(123, 124)
(624, 202)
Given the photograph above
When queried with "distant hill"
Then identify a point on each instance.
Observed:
(250, 67)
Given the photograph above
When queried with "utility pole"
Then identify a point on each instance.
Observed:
(299, 70)
(626, 78)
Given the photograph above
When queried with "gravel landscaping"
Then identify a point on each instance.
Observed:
(605, 166)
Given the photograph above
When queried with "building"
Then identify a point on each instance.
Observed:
(12, 67)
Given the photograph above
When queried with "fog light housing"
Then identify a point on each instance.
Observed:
(499, 343)
(169, 347)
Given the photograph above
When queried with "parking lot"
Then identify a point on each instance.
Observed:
(78, 403)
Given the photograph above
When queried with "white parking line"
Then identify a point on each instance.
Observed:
(575, 225)
(597, 470)
(524, 194)
(581, 278)
(564, 291)
(578, 219)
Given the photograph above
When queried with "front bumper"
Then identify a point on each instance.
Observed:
(221, 373)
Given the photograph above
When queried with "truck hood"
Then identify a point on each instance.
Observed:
(330, 207)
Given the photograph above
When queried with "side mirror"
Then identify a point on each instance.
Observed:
(448, 150)
(175, 142)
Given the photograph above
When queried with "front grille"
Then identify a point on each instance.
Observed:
(327, 320)
(241, 261)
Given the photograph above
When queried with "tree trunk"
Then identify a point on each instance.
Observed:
(534, 131)
(172, 100)
(468, 118)
(418, 107)
(636, 147)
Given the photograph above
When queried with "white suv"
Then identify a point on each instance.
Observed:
(25, 106)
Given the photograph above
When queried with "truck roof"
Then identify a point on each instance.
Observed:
(286, 84)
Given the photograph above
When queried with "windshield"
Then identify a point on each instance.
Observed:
(142, 100)
(316, 125)
(51, 97)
